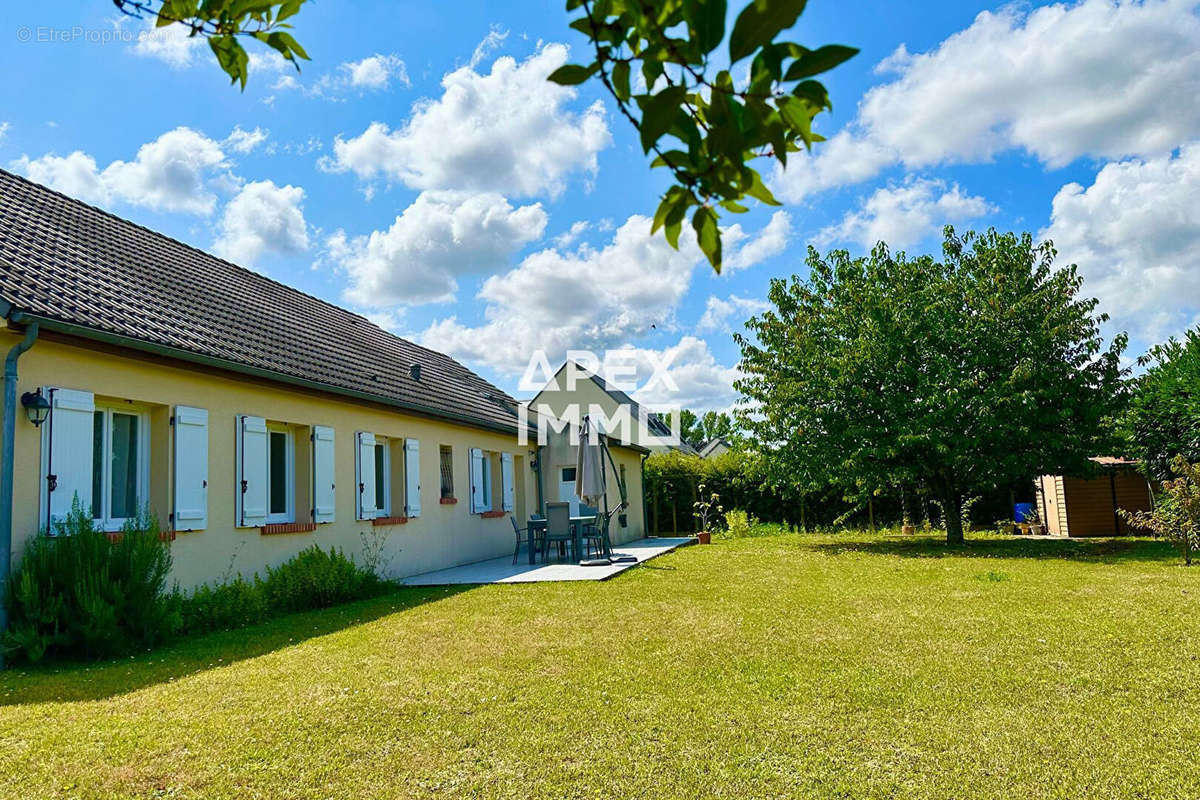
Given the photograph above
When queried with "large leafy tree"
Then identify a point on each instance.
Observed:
(1163, 420)
(706, 111)
(958, 375)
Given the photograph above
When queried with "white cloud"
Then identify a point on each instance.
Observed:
(904, 215)
(697, 381)
(504, 131)
(262, 218)
(1097, 78)
(4, 128)
(490, 43)
(586, 299)
(244, 141)
(1135, 234)
(719, 314)
(745, 250)
(441, 236)
(175, 172)
(169, 44)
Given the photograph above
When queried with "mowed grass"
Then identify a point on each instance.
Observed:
(787, 666)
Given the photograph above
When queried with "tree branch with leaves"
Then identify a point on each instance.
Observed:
(701, 123)
(224, 23)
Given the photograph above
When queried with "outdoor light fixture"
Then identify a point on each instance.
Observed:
(37, 407)
(533, 461)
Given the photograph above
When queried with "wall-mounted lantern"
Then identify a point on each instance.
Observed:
(37, 407)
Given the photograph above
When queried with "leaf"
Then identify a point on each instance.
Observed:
(620, 80)
(573, 74)
(820, 60)
(175, 11)
(757, 189)
(706, 18)
(288, 9)
(232, 58)
(759, 23)
(708, 235)
(658, 113)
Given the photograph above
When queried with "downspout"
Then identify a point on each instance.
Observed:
(541, 465)
(6, 467)
(645, 518)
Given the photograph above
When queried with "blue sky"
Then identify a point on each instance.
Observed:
(421, 171)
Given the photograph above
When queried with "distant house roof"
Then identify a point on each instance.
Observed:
(86, 272)
(655, 423)
(708, 447)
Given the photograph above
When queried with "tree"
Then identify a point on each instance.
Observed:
(1164, 411)
(1176, 515)
(715, 425)
(224, 23)
(960, 375)
(703, 124)
(688, 425)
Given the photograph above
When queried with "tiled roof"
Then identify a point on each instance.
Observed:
(66, 261)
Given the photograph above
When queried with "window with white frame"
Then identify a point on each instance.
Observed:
(281, 474)
(383, 478)
(481, 481)
(120, 463)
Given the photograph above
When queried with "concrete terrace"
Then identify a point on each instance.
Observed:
(502, 570)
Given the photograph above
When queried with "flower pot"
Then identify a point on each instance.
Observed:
(703, 537)
(1024, 526)
(908, 530)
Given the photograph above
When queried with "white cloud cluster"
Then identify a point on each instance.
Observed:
(693, 378)
(169, 44)
(503, 131)
(244, 141)
(440, 237)
(904, 215)
(1135, 234)
(583, 299)
(1097, 78)
(262, 218)
(719, 314)
(175, 172)
(745, 250)
(374, 73)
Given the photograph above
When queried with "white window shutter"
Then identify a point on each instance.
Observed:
(506, 477)
(323, 474)
(476, 480)
(365, 472)
(67, 453)
(191, 469)
(252, 471)
(412, 478)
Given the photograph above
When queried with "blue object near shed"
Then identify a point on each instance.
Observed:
(1022, 512)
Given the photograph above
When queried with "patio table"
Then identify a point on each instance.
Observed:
(577, 524)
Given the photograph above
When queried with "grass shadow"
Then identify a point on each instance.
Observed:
(1100, 550)
(65, 682)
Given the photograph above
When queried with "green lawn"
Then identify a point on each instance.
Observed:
(787, 666)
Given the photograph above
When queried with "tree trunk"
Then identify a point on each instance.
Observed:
(871, 512)
(952, 516)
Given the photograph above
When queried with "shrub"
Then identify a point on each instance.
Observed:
(1176, 515)
(84, 594)
(740, 524)
(225, 606)
(317, 578)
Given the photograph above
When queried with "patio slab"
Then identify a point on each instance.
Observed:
(502, 570)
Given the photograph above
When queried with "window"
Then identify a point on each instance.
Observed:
(486, 486)
(383, 477)
(281, 470)
(447, 467)
(120, 461)
(568, 474)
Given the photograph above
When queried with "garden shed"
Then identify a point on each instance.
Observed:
(1087, 505)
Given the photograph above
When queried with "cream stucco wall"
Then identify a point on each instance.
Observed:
(444, 535)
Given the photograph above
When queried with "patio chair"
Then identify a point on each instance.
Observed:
(558, 527)
(593, 535)
(524, 536)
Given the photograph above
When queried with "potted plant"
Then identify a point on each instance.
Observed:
(702, 510)
(1035, 523)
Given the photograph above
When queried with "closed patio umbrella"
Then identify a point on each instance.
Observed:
(590, 482)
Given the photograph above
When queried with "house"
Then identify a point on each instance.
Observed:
(1087, 505)
(589, 390)
(714, 447)
(254, 420)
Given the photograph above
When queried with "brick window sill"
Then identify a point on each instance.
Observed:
(448, 501)
(287, 527)
(493, 514)
(163, 536)
(389, 521)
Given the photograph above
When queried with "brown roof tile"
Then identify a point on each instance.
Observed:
(65, 260)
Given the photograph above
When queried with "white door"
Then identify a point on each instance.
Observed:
(566, 489)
